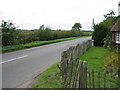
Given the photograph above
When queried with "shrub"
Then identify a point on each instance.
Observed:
(102, 30)
(112, 63)
(44, 35)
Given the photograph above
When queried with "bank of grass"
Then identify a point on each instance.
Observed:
(51, 78)
(95, 56)
(34, 44)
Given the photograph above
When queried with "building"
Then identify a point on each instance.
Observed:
(116, 29)
(116, 32)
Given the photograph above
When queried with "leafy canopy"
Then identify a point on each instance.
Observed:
(77, 26)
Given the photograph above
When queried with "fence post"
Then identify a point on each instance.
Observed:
(80, 74)
(89, 77)
(85, 74)
(119, 76)
(98, 79)
(116, 79)
(93, 86)
(109, 79)
(104, 79)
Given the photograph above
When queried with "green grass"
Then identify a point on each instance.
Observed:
(95, 57)
(34, 44)
(51, 78)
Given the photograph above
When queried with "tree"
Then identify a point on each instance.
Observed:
(42, 27)
(77, 26)
(110, 14)
(9, 36)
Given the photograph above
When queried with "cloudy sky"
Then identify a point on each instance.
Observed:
(58, 14)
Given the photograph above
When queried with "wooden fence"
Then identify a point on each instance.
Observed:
(76, 73)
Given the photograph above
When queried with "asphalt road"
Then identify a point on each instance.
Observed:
(23, 65)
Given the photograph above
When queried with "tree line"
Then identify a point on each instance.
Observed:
(13, 36)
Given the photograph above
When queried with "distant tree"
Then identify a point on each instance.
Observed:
(77, 26)
(42, 27)
(110, 14)
(48, 28)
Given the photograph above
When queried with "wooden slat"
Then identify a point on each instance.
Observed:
(104, 79)
(109, 79)
(85, 74)
(117, 82)
(86, 77)
(89, 75)
(98, 79)
(93, 85)
(80, 74)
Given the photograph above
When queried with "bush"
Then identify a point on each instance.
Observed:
(102, 30)
(112, 63)
(44, 35)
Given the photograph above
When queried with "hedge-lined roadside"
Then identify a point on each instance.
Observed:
(34, 44)
(13, 36)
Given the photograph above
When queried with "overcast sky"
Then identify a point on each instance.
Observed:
(58, 14)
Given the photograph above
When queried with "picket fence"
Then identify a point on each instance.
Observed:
(77, 74)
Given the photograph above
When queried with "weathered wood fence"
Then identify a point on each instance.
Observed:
(76, 73)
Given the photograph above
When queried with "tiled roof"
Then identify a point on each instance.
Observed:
(116, 26)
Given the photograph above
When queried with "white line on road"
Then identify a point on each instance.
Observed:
(13, 59)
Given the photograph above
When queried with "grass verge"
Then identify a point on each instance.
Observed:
(50, 78)
(34, 44)
(95, 56)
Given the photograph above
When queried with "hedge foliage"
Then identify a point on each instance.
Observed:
(102, 32)
(13, 36)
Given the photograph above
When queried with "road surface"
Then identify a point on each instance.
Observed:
(23, 65)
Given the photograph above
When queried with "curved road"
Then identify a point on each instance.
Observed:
(23, 65)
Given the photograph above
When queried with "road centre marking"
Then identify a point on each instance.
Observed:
(13, 59)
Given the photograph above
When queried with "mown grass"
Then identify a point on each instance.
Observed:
(51, 78)
(34, 44)
(95, 56)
